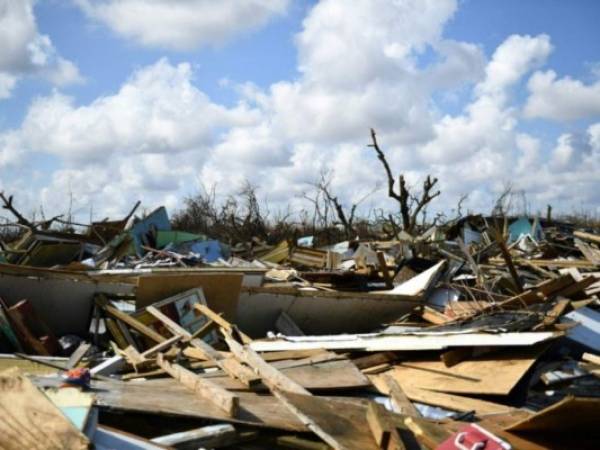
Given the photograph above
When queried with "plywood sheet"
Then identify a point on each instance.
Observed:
(30, 420)
(444, 400)
(222, 290)
(573, 414)
(341, 374)
(494, 373)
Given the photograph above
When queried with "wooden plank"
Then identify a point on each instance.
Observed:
(340, 426)
(389, 282)
(326, 375)
(286, 325)
(299, 443)
(570, 415)
(455, 402)
(554, 314)
(384, 431)
(591, 254)
(116, 333)
(78, 354)
(494, 373)
(449, 401)
(427, 433)
(371, 360)
(211, 436)
(562, 263)
(220, 321)
(270, 376)
(587, 236)
(282, 387)
(205, 388)
(591, 358)
(133, 357)
(134, 323)
(164, 345)
(229, 365)
(400, 402)
(538, 294)
(126, 334)
(31, 421)
(192, 352)
(22, 316)
(432, 316)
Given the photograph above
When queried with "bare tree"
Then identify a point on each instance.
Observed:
(346, 218)
(411, 205)
(503, 202)
(8, 204)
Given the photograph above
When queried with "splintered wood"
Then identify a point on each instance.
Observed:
(31, 421)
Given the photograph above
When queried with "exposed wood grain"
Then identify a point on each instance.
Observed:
(400, 401)
(489, 374)
(134, 323)
(31, 421)
(78, 354)
(449, 401)
(384, 431)
(229, 365)
(205, 388)
(572, 414)
(271, 377)
(220, 321)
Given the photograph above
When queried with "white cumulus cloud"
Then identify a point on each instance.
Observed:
(561, 99)
(182, 24)
(26, 52)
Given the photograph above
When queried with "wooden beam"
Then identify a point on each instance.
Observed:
(400, 401)
(221, 321)
(161, 346)
(554, 314)
(587, 236)
(271, 377)
(211, 436)
(134, 323)
(384, 431)
(433, 316)
(230, 366)
(78, 355)
(389, 283)
(205, 388)
(116, 333)
(280, 386)
(31, 420)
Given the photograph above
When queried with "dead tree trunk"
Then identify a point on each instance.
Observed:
(8, 204)
(410, 206)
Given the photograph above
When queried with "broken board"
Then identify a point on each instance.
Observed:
(494, 373)
(30, 420)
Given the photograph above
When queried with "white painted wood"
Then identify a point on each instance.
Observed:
(209, 436)
(406, 342)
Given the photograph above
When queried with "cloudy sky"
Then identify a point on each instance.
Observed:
(119, 100)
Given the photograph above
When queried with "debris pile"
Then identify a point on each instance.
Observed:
(483, 332)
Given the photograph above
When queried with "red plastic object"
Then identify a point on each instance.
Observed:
(78, 377)
(473, 437)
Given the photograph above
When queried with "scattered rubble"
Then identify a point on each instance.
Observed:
(483, 332)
